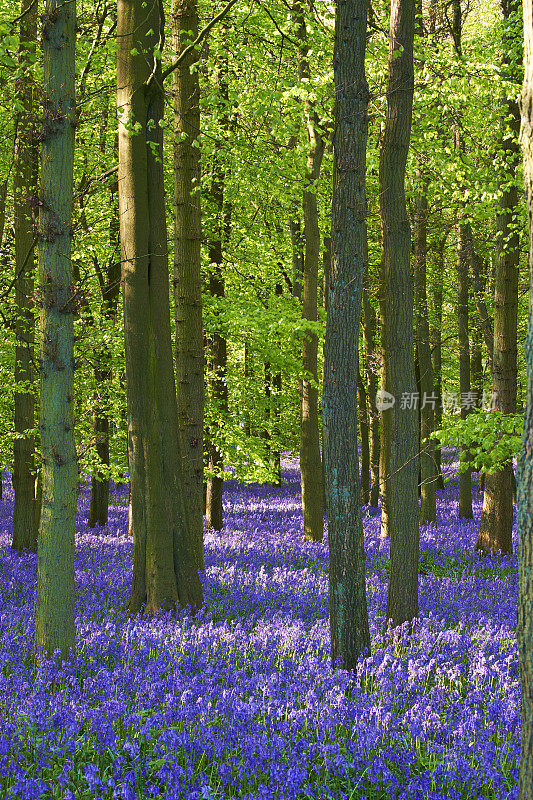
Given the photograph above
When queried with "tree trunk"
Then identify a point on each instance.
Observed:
(350, 635)
(103, 373)
(25, 192)
(436, 353)
(496, 526)
(365, 444)
(399, 438)
(164, 569)
(187, 269)
(310, 458)
(54, 623)
(428, 471)
(465, 478)
(525, 465)
(371, 372)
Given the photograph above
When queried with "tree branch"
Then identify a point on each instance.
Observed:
(203, 33)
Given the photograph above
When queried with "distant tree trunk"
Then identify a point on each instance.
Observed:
(371, 373)
(365, 444)
(465, 478)
(164, 568)
(350, 635)
(54, 622)
(436, 351)
(399, 437)
(297, 257)
(496, 525)
(463, 259)
(478, 287)
(187, 269)
(310, 458)
(525, 465)
(103, 372)
(25, 192)
(428, 471)
(276, 414)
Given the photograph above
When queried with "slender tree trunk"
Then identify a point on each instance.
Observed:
(350, 635)
(496, 526)
(399, 425)
(365, 444)
(187, 269)
(428, 471)
(436, 352)
(371, 372)
(310, 458)
(297, 257)
(164, 568)
(103, 373)
(525, 465)
(54, 623)
(276, 414)
(478, 287)
(465, 478)
(25, 176)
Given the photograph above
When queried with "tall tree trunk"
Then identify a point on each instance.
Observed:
(297, 257)
(465, 478)
(164, 568)
(371, 373)
(103, 372)
(276, 413)
(525, 464)
(187, 269)
(365, 444)
(496, 526)
(436, 351)
(464, 240)
(350, 635)
(54, 623)
(310, 459)
(399, 425)
(25, 176)
(428, 472)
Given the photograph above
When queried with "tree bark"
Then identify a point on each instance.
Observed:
(371, 372)
(310, 458)
(54, 622)
(428, 466)
(465, 478)
(25, 177)
(164, 569)
(399, 439)
(350, 635)
(187, 269)
(525, 464)
(365, 444)
(436, 352)
(496, 525)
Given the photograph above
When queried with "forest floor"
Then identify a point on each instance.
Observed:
(241, 702)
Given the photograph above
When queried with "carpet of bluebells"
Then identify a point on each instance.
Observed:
(241, 701)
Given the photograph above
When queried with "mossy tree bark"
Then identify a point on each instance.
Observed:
(496, 525)
(347, 588)
(187, 269)
(310, 458)
(399, 438)
(525, 464)
(54, 623)
(164, 569)
(25, 177)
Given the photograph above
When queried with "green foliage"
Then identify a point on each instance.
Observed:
(487, 440)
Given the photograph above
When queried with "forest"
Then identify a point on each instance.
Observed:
(266, 427)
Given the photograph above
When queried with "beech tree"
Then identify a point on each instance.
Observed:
(187, 268)
(525, 466)
(347, 588)
(399, 426)
(25, 191)
(164, 570)
(54, 623)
